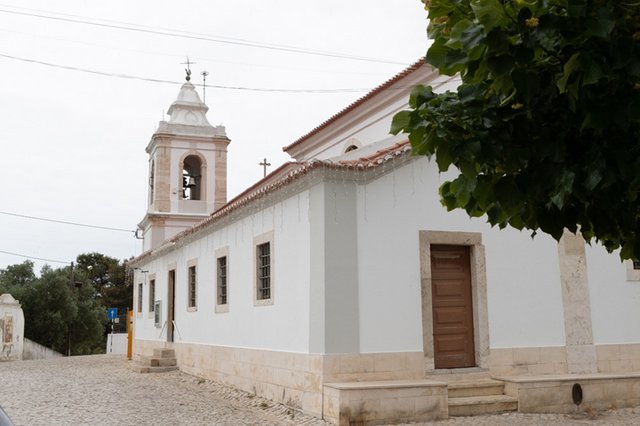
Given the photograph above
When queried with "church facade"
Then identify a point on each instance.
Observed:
(340, 286)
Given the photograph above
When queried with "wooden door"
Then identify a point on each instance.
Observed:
(452, 307)
(171, 283)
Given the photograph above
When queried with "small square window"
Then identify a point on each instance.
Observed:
(636, 264)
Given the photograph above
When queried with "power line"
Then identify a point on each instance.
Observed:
(202, 37)
(34, 258)
(155, 80)
(197, 58)
(66, 222)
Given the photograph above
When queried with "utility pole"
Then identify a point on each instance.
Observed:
(204, 75)
(71, 276)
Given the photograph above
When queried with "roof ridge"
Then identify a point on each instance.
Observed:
(413, 67)
(256, 191)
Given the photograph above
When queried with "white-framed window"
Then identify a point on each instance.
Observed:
(152, 294)
(192, 286)
(222, 280)
(264, 261)
(139, 297)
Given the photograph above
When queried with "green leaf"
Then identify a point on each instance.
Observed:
(443, 157)
(400, 121)
(455, 38)
(569, 68)
(437, 54)
(603, 23)
(594, 177)
(592, 71)
(500, 65)
(527, 83)
(419, 95)
(497, 41)
(416, 138)
(472, 37)
(490, 13)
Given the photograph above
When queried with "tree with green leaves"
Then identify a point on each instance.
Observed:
(49, 306)
(62, 308)
(545, 127)
(15, 277)
(108, 277)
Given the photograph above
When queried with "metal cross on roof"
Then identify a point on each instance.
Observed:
(265, 165)
(188, 68)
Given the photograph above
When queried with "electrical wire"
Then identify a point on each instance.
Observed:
(156, 80)
(196, 58)
(66, 222)
(202, 37)
(34, 258)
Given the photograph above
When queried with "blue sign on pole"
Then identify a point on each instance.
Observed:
(112, 313)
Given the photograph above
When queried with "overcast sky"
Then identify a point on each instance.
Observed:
(73, 141)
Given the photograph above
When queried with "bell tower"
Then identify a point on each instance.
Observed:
(187, 169)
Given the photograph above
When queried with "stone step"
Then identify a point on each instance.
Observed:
(459, 374)
(480, 387)
(164, 353)
(137, 368)
(157, 362)
(487, 404)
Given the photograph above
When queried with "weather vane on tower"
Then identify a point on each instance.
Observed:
(188, 68)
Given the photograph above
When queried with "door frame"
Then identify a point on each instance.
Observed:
(171, 303)
(478, 291)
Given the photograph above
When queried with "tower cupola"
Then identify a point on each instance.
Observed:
(187, 169)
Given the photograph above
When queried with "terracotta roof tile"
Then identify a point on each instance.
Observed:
(358, 102)
(263, 187)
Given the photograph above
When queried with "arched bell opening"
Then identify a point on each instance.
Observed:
(192, 178)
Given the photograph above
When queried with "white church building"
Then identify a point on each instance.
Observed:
(340, 286)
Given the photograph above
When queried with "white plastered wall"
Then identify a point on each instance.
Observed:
(615, 301)
(282, 326)
(362, 128)
(523, 284)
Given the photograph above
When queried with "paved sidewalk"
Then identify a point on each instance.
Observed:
(101, 390)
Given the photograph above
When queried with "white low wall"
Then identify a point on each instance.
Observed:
(33, 350)
(117, 343)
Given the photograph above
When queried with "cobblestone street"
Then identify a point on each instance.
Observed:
(101, 390)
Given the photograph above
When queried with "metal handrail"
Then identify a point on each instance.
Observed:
(162, 329)
(175, 326)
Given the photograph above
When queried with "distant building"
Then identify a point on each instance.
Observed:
(339, 285)
(11, 328)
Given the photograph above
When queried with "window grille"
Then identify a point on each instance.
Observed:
(192, 286)
(222, 280)
(264, 271)
(140, 297)
(152, 295)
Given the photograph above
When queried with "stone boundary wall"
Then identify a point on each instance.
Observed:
(116, 343)
(534, 361)
(33, 350)
(554, 393)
